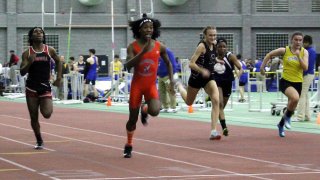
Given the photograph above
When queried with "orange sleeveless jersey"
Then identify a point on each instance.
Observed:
(145, 76)
(146, 69)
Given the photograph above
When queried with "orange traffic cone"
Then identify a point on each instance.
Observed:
(318, 119)
(190, 109)
(109, 101)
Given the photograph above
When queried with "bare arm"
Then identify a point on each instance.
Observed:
(133, 59)
(192, 64)
(27, 60)
(90, 60)
(276, 52)
(237, 64)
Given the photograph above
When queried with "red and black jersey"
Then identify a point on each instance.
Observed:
(39, 70)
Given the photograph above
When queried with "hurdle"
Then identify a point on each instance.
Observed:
(120, 89)
(254, 81)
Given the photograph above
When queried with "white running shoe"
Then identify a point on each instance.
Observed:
(172, 110)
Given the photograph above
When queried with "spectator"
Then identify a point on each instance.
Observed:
(274, 66)
(243, 79)
(115, 67)
(79, 66)
(303, 109)
(91, 74)
(65, 70)
(167, 99)
(13, 64)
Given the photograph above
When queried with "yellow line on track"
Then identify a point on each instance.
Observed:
(7, 170)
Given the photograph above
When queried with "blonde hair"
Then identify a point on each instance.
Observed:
(204, 31)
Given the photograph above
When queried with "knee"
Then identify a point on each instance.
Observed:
(189, 103)
(221, 105)
(153, 112)
(294, 100)
(215, 101)
(46, 115)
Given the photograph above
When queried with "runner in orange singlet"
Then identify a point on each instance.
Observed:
(143, 55)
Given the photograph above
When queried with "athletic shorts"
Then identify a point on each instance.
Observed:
(226, 87)
(93, 82)
(142, 89)
(37, 89)
(284, 84)
(242, 83)
(199, 82)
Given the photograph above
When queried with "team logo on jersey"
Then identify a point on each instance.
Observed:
(212, 59)
(145, 67)
(293, 58)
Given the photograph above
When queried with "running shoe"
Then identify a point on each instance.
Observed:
(127, 151)
(281, 131)
(144, 115)
(172, 110)
(38, 146)
(287, 122)
(215, 135)
(225, 132)
(163, 110)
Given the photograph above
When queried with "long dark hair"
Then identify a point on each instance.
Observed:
(30, 40)
(136, 25)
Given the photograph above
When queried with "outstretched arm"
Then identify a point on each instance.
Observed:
(276, 52)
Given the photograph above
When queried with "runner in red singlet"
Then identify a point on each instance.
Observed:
(143, 55)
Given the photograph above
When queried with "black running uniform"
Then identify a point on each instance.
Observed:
(206, 61)
(225, 79)
(81, 67)
(37, 84)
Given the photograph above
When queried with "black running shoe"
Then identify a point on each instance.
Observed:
(127, 151)
(38, 146)
(225, 132)
(144, 115)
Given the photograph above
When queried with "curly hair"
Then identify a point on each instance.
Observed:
(136, 25)
(30, 35)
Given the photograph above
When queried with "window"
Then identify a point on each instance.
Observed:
(51, 40)
(229, 38)
(268, 42)
(315, 6)
(272, 6)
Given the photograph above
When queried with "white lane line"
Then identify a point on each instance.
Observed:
(20, 142)
(26, 168)
(172, 145)
(199, 176)
(144, 154)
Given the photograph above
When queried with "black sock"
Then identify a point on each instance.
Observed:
(281, 123)
(223, 123)
(289, 113)
(39, 138)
